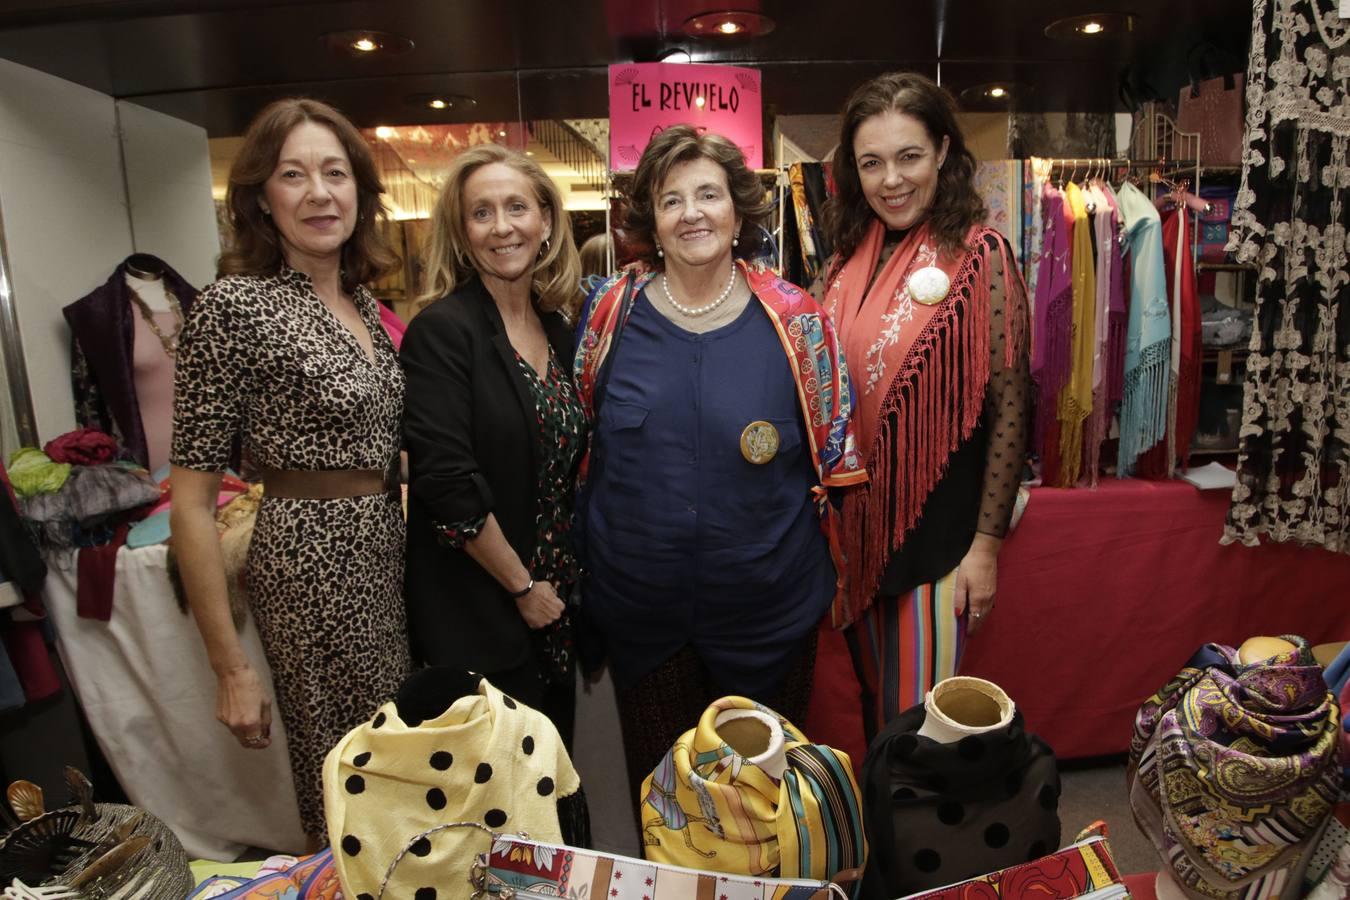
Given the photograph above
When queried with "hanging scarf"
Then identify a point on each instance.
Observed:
(922, 372)
(1143, 410)
(1183, 401)
(1110, 340)
(705, 806)
(1075, 400)
(1054, 312)
(1234, 769)
(1117, 324)
(487, 759)
(806, 226)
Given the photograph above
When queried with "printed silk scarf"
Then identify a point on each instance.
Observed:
(1234, 770)
(921, 373)
(707, 807)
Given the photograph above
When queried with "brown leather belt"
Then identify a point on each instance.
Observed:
(329, 484)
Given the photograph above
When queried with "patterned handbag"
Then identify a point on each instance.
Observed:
(1081, 871)
(517, 867)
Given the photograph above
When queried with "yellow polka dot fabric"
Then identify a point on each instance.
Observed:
(488, 760)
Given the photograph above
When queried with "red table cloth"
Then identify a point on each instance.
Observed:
(1103, 594)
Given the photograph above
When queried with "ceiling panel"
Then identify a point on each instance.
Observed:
(216, 62)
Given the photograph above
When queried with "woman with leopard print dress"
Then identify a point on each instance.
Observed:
(286, 351)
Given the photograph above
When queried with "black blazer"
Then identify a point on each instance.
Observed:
(472, 436)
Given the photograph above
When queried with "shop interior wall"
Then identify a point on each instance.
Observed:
(70, 217)
(69, 211)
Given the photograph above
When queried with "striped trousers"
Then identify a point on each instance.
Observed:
(902, 646)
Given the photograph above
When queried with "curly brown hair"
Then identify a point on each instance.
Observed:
(684, 143)
(254, 247)
(956, 204)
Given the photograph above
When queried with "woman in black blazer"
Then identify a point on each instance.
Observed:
(494, 432)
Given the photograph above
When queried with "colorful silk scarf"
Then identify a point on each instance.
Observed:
(922, 373)
(525, 868)
(705, 806)
(1234, 770)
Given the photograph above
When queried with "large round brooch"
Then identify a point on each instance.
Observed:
(759, 442)
(929, 286)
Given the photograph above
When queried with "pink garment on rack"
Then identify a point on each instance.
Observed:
(1054, 320)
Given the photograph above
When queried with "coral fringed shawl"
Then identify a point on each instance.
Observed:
(921, 373)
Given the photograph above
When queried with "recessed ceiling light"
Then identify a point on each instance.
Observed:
(728, 23)
(1090, 25)
(366, 44)
(384, 132)
(442, 102)
(998, 95)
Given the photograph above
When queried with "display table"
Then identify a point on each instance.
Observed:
(145, 686)
(1103, 595)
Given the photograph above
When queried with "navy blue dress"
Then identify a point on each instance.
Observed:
(685, 541)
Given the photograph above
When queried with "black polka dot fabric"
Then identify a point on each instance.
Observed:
(938, 814)
(389, 785)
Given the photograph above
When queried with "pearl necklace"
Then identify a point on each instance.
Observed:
(699, 310)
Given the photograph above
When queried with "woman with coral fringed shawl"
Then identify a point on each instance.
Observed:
(932, 314)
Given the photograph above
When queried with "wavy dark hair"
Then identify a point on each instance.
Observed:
(956, 204)
(254, 247)
(684, 143)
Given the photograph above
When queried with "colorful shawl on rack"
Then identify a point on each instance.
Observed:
(1109, 355)
(1144, 396)
(1183, 411)
(922, 373)
(807, 181)
(1234, 769)
(705, 806)
(1075, 400)
(1053, 312)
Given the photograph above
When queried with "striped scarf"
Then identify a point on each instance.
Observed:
(707, 806)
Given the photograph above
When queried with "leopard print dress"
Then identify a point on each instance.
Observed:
(263, 358)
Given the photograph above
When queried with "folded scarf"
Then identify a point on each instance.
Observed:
(1234, 769)
(32, 473)
(791, 811)
(392, 785)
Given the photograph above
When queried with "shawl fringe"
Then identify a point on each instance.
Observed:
(932, 405)
(1144, 405)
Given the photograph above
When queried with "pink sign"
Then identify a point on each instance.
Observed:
(647, 98)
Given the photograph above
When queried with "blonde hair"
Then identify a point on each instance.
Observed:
(446, 259)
